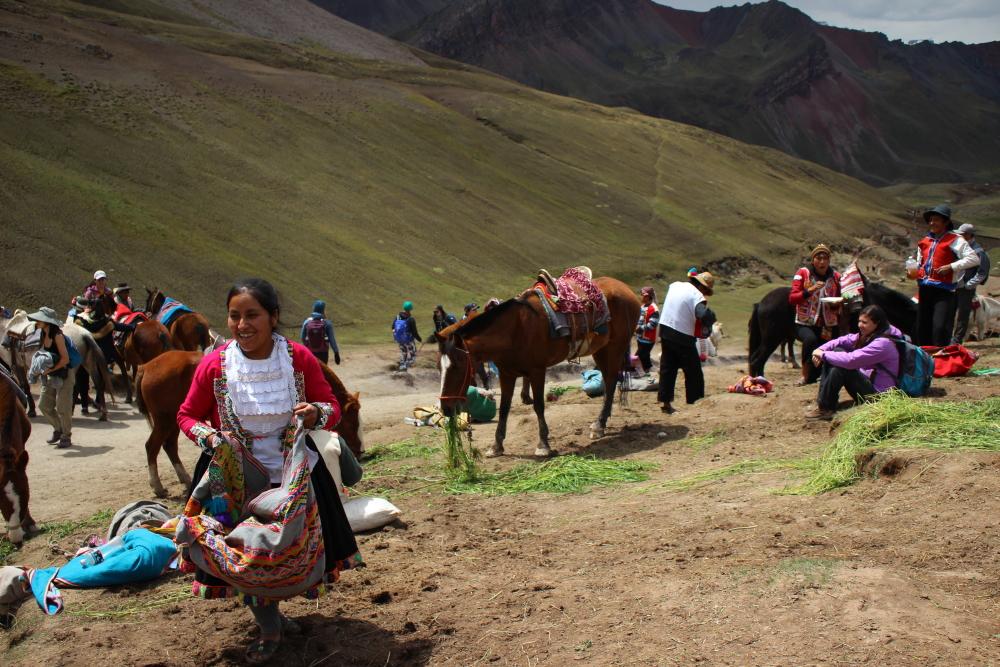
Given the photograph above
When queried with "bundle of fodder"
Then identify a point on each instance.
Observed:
(563, 474)
(895, 421)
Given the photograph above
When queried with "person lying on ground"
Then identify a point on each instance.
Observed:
(865, 363)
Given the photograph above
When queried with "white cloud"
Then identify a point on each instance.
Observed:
(969, 21)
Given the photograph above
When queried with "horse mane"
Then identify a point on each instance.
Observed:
(477, 323)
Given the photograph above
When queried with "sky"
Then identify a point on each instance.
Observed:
(969, 21)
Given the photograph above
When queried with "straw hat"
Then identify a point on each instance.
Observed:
(47, 315)
(707, 281)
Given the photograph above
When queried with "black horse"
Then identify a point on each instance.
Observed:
(773, 319)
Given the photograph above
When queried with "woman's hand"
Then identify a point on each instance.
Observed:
(817, 358)
(815, 287)
(308, 412)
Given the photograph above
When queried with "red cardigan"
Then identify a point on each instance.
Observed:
(201, 405)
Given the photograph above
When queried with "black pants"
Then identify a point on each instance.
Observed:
(963, 304)
(679, 352)
(643, 350)
(810, 337)
(323, 356)
(482, 375)
(833, 379)
(935, 316)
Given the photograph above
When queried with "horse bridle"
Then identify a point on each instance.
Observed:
(469, 370)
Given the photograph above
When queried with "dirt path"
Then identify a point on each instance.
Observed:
(895, 570)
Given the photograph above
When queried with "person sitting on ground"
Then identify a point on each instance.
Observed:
(967, 284)
(942, 256)
(865, 363)
(442, 320)
(56, 399)
(317, 334)
(645, 329)
(684, 306)
(404, 332)
(815, 320)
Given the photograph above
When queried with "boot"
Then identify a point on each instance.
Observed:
(64, 442)
(56, 435)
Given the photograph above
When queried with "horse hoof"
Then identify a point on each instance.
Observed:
(596, 432)
(543, 452)
(160, 493)
(32, 414)
(494, 452)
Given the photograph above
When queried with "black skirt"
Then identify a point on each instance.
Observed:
(338, 538)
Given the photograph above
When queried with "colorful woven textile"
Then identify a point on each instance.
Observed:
(591, 299)
(851, 283)
(265, 543)
(170, 310)
(755, 386)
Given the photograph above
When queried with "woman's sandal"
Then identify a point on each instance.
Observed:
(261, 650)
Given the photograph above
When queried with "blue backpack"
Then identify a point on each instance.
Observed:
(401, 331)
(916, 368)
(74, 354)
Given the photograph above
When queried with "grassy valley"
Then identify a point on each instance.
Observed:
(169, 153)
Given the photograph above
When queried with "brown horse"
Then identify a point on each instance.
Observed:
(188, 331)
(515, 336)
(14, 431)
(149, 340)
(162, 385)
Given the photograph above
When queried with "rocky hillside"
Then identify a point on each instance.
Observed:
(765, 73)
(141, 139)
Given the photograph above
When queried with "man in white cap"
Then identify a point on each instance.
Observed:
(98, 288)
(967, 284)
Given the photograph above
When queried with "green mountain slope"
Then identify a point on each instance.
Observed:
(177, 155)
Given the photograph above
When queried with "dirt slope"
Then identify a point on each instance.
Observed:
(899, 569)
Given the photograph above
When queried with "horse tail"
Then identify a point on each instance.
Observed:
(139, 403)
(754, 329)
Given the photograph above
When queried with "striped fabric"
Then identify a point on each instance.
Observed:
(266, 543)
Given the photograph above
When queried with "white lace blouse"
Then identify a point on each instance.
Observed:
(262, 393)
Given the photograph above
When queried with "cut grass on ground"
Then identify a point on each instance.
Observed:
(893, 421)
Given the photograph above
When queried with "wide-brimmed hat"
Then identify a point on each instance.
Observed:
(82, 302)
(941, 209)
(707, 280)
(99, 274)
(822, 247)
(122, 287)
(47, 315)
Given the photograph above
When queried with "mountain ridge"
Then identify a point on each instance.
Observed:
(763, 73)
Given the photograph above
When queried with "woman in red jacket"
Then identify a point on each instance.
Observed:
(251, 390)
(816, 320)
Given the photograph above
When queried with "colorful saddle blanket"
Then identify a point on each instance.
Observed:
(170, 310)
(577, 293)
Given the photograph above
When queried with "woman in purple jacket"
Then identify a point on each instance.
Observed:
(864, 363)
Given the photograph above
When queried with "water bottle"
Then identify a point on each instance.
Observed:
(99, 555)
(911, 267)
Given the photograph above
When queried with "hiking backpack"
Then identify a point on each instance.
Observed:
(916, 368)
(74, 354)
(316, 334)
(401, 331)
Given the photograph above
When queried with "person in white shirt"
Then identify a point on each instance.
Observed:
(683, 318)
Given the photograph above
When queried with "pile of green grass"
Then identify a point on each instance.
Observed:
(564, 474)
(896, 421)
